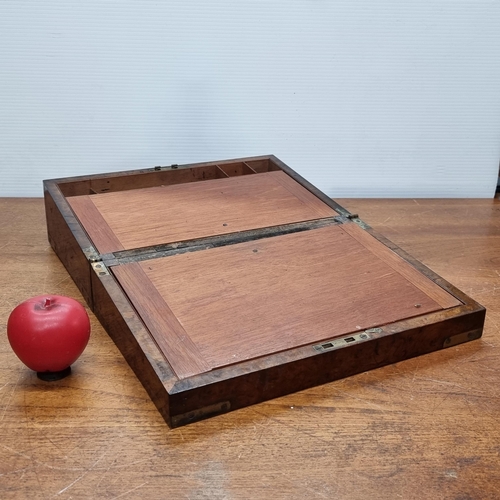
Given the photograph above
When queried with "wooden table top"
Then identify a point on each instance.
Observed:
(423, 428)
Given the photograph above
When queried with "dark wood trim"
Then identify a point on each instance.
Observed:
(279, 375)
(68, 239)
(91, 218)
(435, 292)
(134, 341)
(310, 187)
(429, 273)
(185, 358)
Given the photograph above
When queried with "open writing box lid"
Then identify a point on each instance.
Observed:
(246, 271)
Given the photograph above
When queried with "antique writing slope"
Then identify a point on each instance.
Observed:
(228, 283)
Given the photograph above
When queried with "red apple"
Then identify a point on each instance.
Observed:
(48, 332)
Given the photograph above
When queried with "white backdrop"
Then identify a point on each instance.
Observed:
(362, 97)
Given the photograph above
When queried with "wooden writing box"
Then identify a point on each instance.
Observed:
(228, 283)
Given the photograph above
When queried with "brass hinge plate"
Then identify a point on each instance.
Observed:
(195, 415)
(330, 345)
(462, 337)
(174, 166)
(100, 269)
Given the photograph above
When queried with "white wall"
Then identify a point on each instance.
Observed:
(362, 97)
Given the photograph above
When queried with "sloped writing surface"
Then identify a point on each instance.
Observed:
(251, 299)
(137, 218)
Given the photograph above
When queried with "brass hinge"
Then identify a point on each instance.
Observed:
(174, 166)
(96, 261)
(92, 254)
(342, 219)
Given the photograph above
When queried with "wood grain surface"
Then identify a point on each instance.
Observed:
(251, 299)
(442, 297)
(183, 354)
(195, 210)
(424, 428)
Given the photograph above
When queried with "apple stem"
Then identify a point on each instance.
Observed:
(47, 303)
